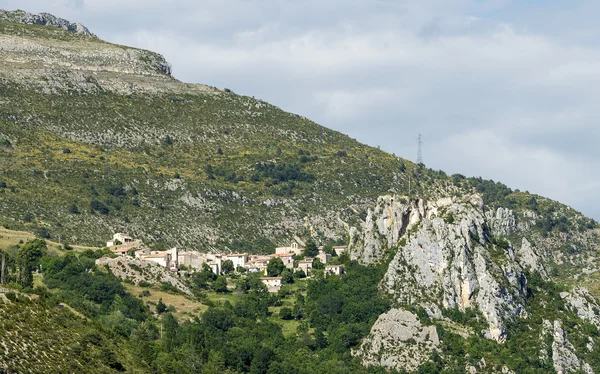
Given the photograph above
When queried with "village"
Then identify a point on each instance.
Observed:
(182, 262)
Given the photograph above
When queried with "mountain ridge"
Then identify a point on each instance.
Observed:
(97, 138)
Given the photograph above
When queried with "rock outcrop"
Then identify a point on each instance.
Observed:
(43, 19)
(398, 341)
(446, 261)
(583, 305)
(563, 353)
(137, 271)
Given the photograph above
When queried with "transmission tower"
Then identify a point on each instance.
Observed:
(420, 149)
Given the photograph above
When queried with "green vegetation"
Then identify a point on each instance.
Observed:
(252, 331)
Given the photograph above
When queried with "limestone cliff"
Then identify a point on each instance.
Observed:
(453, 254)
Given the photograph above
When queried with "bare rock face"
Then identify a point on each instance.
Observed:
(528, 257)
(445, 262)
(583, 304)
(563, 353)
(390, 219)
(398, 341)
(502, 222)
(44, 19)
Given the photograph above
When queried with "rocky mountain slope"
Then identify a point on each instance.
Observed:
(455, 260)
(97, 138)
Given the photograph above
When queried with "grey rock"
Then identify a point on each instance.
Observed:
(45, 19)
(528, 258)
(563, 353)
(398, 341)
(441, 261)
(583, 304)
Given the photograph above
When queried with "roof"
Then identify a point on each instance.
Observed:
(284, 255)
(334, 266)
(270, 278)
(157, 255)
(307, 261)
(121, 249)
(234, 254)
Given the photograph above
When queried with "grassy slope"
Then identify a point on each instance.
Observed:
(40, 338)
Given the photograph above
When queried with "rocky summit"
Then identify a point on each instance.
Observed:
(430, 273)
(43, 19)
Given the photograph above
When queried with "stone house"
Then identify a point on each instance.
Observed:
(258, 262)
(272, 283)
(306, 265)
(293, 248)
(324, 257)
(287, 258)
(119, 238)
(334, 269)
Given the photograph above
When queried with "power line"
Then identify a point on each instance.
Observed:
(420, 149)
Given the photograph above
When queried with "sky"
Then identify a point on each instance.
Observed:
(507, 90)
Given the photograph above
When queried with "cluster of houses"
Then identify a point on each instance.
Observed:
(176, 259)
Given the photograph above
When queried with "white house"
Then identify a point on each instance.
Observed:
(272, 283)
(339, 249)
(161, 258)
(119, 238)
(238, 259)
(334, 269)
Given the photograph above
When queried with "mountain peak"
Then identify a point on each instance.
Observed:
(44, 19)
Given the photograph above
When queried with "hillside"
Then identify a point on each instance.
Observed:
(83, 121)
(444, 274)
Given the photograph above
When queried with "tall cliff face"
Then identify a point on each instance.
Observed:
(455, 254)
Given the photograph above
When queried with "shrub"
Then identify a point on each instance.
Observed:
(286, 314)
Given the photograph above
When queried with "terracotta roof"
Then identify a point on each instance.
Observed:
(157, 255)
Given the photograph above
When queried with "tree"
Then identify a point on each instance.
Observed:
(318, 265)
(220, 285)
(170, 327)
(160, 307)
(73, 209)
(286, 313)
(275, 267)
(168, 140)
(300, 274)
(219, 151)
(227, 267)
(28, 258)
(328, 248)
(311, 249)
(287, 276)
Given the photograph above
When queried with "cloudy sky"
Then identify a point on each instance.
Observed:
(507, 90)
